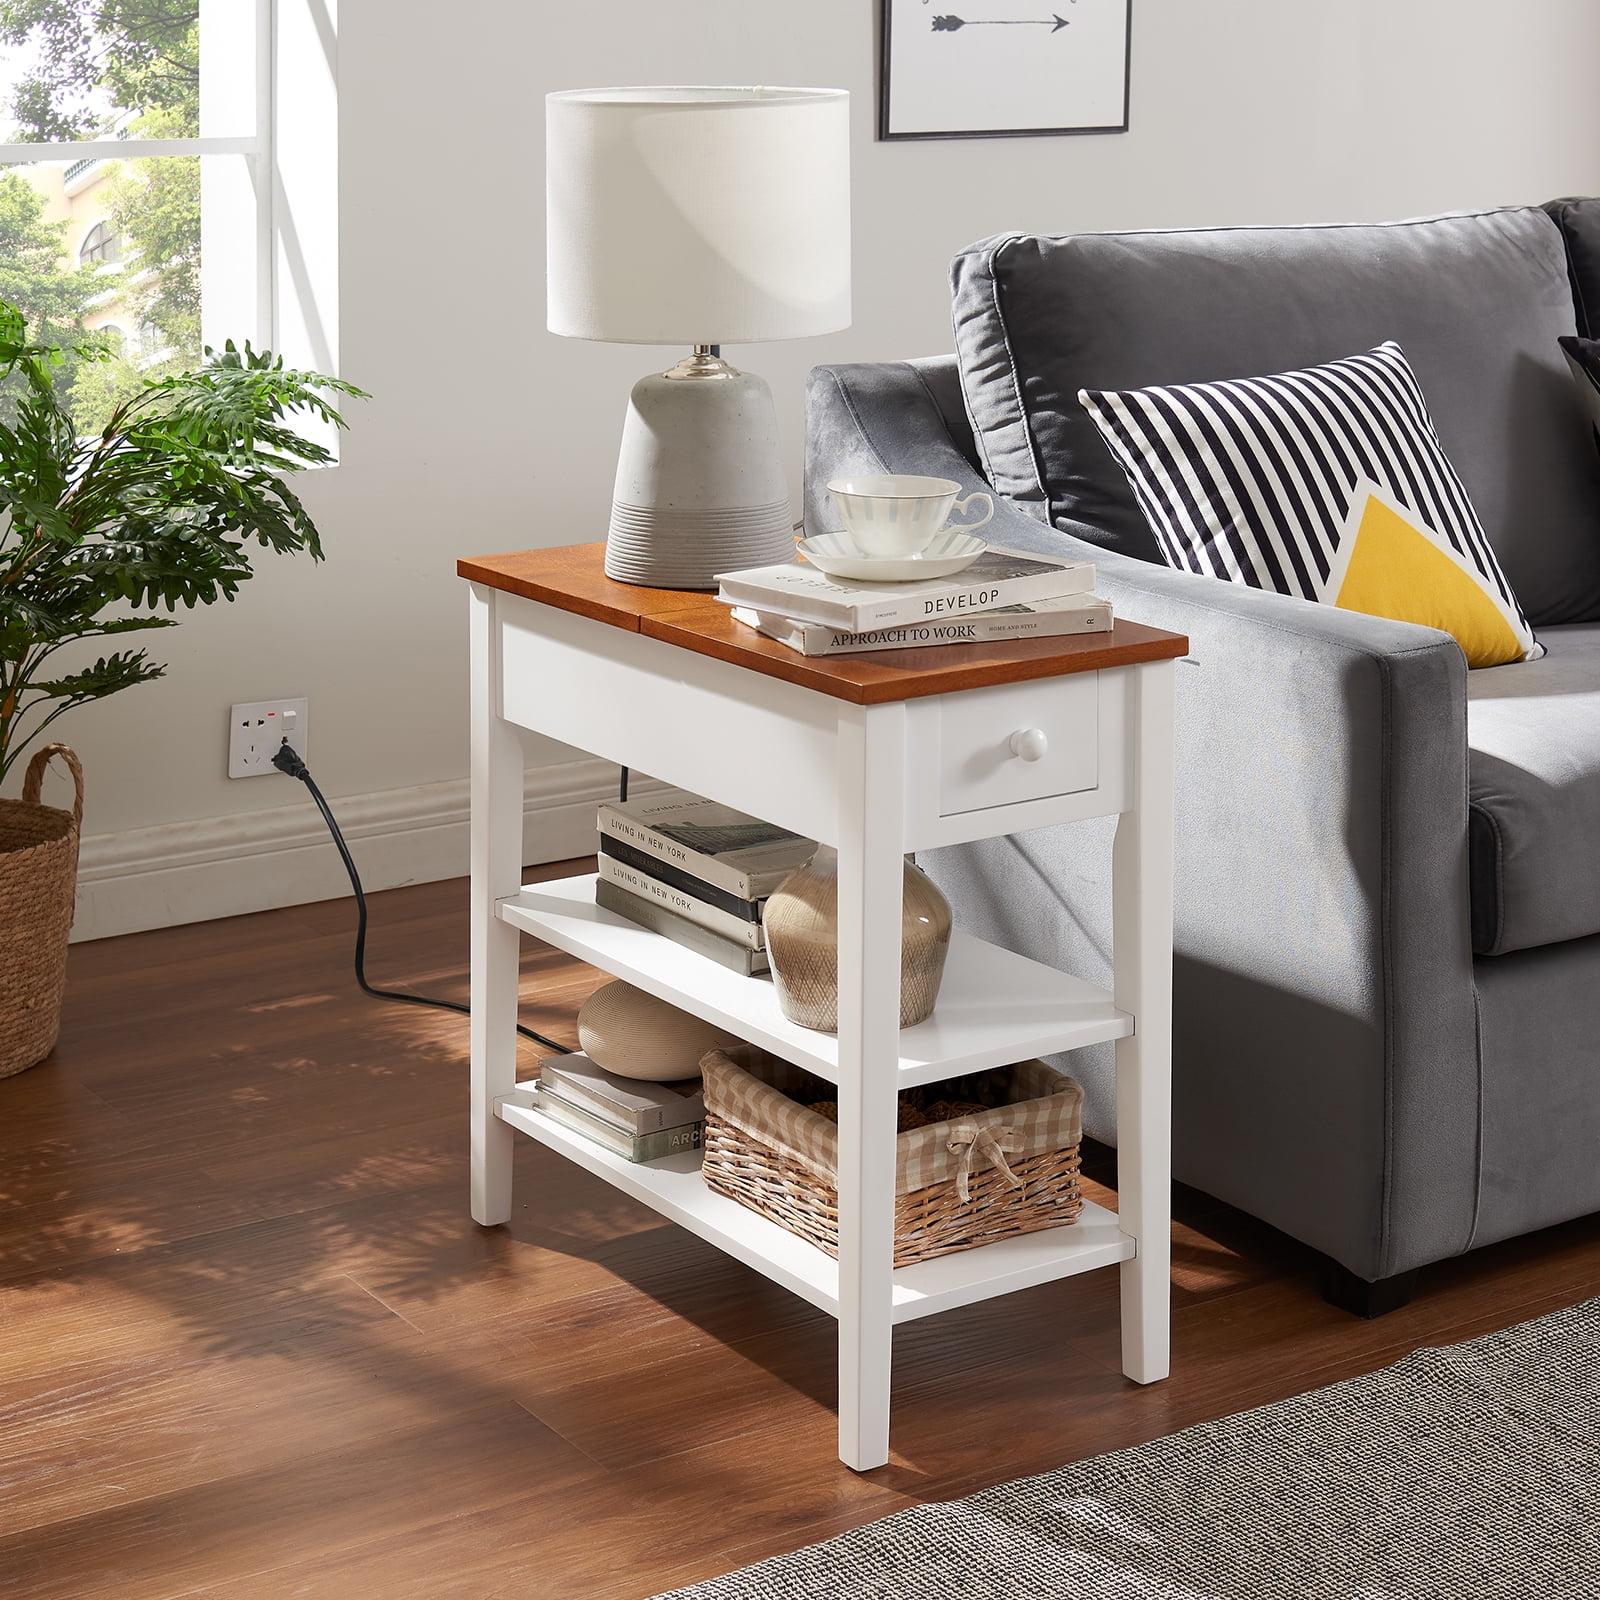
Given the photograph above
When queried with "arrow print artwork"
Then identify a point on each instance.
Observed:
(983, 71)
(949, 24)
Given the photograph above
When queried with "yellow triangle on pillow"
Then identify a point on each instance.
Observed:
(1390, 564)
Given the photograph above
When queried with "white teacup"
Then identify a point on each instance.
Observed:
(894, 515)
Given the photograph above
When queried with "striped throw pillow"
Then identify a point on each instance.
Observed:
(1271, 481)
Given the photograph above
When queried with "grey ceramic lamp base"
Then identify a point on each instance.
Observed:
(700, 483)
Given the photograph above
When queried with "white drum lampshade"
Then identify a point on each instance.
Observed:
(698, 217)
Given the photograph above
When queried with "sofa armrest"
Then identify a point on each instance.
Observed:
(1324, 963)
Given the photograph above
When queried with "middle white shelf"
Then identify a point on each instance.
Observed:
(994, 1006)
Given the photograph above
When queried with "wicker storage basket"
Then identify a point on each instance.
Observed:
(38, 879)
(1011, 1168)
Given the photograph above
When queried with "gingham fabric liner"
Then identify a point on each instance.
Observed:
(1467, 1473)
(753, 1091)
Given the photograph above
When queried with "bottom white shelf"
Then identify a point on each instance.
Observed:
(674, 1188)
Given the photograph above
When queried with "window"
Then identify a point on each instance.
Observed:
(156, 124)
(100, 246)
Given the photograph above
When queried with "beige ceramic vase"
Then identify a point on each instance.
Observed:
(802, 929)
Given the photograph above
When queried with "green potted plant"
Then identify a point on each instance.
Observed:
(97, 536)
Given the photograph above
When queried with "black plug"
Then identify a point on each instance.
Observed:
(288, 762)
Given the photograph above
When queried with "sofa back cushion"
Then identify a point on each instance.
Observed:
(1478, 303)
(1579, 222)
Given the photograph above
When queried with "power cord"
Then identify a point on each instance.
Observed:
(288, 762)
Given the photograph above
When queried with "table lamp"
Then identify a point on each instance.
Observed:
(698, 217)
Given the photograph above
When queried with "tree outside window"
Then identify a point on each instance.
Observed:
(98, 69)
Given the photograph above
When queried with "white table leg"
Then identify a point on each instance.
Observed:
(1142, 961)
(496, 872)
(871, 819)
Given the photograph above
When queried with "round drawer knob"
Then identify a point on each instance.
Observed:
(1029, 743)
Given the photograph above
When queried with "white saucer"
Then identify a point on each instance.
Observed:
(837, 555)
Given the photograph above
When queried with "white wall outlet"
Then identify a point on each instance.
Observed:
(256, 730)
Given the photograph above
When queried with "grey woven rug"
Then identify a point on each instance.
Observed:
(1471, 1472)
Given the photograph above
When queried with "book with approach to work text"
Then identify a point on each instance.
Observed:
(1043, 619)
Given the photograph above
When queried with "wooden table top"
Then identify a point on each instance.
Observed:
(572, 578)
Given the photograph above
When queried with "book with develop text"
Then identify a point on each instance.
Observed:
(997, 578)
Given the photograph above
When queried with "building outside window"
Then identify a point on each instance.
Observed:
(101, 246)
(152, 345)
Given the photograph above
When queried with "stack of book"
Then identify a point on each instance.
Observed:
(638, 1121)
(1004, 594)
(695, 871)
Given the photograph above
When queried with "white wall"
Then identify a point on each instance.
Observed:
(488, 434)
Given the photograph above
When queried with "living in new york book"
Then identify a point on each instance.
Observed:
(646, 886)
(740, 854)
(999, 577)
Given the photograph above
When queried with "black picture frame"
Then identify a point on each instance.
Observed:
(885, 73)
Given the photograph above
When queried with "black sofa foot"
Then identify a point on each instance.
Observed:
(1342, 1288)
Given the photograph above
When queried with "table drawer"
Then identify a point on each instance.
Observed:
(1018, 742)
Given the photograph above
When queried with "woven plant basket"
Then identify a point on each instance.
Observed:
(38, 880)
(1009, 1169)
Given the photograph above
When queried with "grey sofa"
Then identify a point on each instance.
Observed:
(1387, 984)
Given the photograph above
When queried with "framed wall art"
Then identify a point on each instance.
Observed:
(974, 69)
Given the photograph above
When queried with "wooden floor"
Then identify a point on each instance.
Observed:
(251, 1345)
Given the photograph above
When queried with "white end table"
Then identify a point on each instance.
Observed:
(878, 755)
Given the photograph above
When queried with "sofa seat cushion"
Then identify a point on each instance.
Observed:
(1533, 731)
(1477, 303)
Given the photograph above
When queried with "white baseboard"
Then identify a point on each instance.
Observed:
(257, 860)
